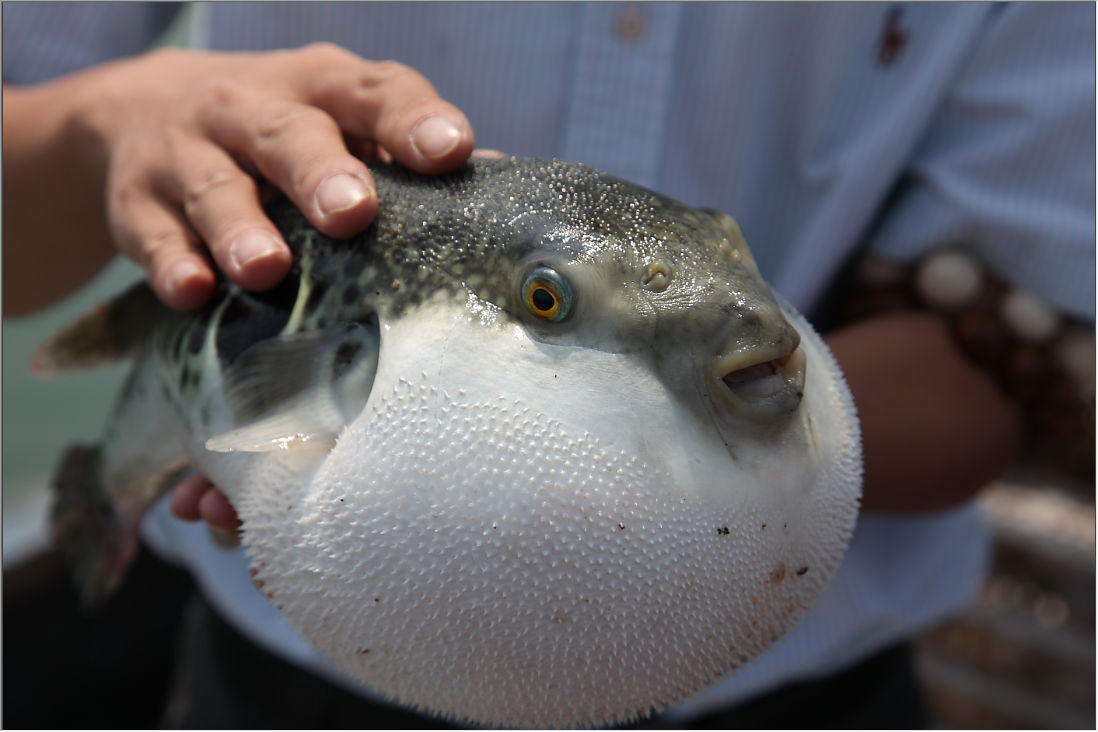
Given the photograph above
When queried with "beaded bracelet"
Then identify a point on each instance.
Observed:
(1041, 359)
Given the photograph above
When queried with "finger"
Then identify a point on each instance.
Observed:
(155, 236)
(185, 497)
(387, 102)
(301, 150)
(362, 148)
(484, 152)
(222, 204)
(216, 510)
(259, 584)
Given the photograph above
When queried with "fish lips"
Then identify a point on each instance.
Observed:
(763, 384)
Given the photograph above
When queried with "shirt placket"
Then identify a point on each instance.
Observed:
(621, 88)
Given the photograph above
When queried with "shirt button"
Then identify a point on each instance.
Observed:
(631, 23)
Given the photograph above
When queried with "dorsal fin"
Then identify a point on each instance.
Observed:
(108, 333)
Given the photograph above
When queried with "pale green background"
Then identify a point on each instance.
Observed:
(41, 417)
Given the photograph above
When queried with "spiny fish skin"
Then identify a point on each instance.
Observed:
(509, 455)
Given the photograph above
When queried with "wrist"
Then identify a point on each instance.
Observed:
(946, 321)
(1040, 360)
(935, 429)
(60, 172)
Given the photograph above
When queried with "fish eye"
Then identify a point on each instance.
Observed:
(547, 294)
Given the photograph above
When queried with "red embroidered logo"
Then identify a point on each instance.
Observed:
(893, 38)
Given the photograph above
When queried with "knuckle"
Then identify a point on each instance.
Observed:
(309, 169)
(221, 92)
(125, 193)
(155, 246)
(177, 143)
(324, 53)
(383, 73)
(415, 106)
(93, 115)
(280, 119)
(155, 242)
(209, 182)
(403, 114)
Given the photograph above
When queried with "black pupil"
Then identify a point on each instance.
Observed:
(543, 299)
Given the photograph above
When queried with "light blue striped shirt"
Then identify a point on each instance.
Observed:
(823, 129)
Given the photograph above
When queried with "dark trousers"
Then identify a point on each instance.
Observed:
(223, 680)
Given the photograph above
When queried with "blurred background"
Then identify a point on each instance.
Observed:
(1022, 657)
(63, 668)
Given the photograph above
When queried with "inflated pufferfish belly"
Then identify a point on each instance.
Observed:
(551, 453)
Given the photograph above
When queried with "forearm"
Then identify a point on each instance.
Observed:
(935, 429)
(54, 224)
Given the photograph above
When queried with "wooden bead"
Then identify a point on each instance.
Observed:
(1075, 354)
(949, 280)
(1028, 317)
(878, 272)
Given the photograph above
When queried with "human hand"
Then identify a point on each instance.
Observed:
(187, 153)
(172, 141)
(196, 498)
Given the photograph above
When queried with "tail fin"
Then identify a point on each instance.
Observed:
(100, 546)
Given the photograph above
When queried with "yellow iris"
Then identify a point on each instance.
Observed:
(547, 294)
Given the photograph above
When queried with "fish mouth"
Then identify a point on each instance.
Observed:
(762, 385)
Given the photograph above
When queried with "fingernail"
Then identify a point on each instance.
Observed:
(252, 245)
(182, 271)
(339, 193)
(224, 538)
(435, 137)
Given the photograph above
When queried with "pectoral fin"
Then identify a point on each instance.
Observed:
(110, 332)
(293, 429)
(299, 390)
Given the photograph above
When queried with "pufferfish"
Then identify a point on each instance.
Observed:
(538, 448)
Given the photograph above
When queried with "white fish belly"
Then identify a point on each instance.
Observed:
(516, 554)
